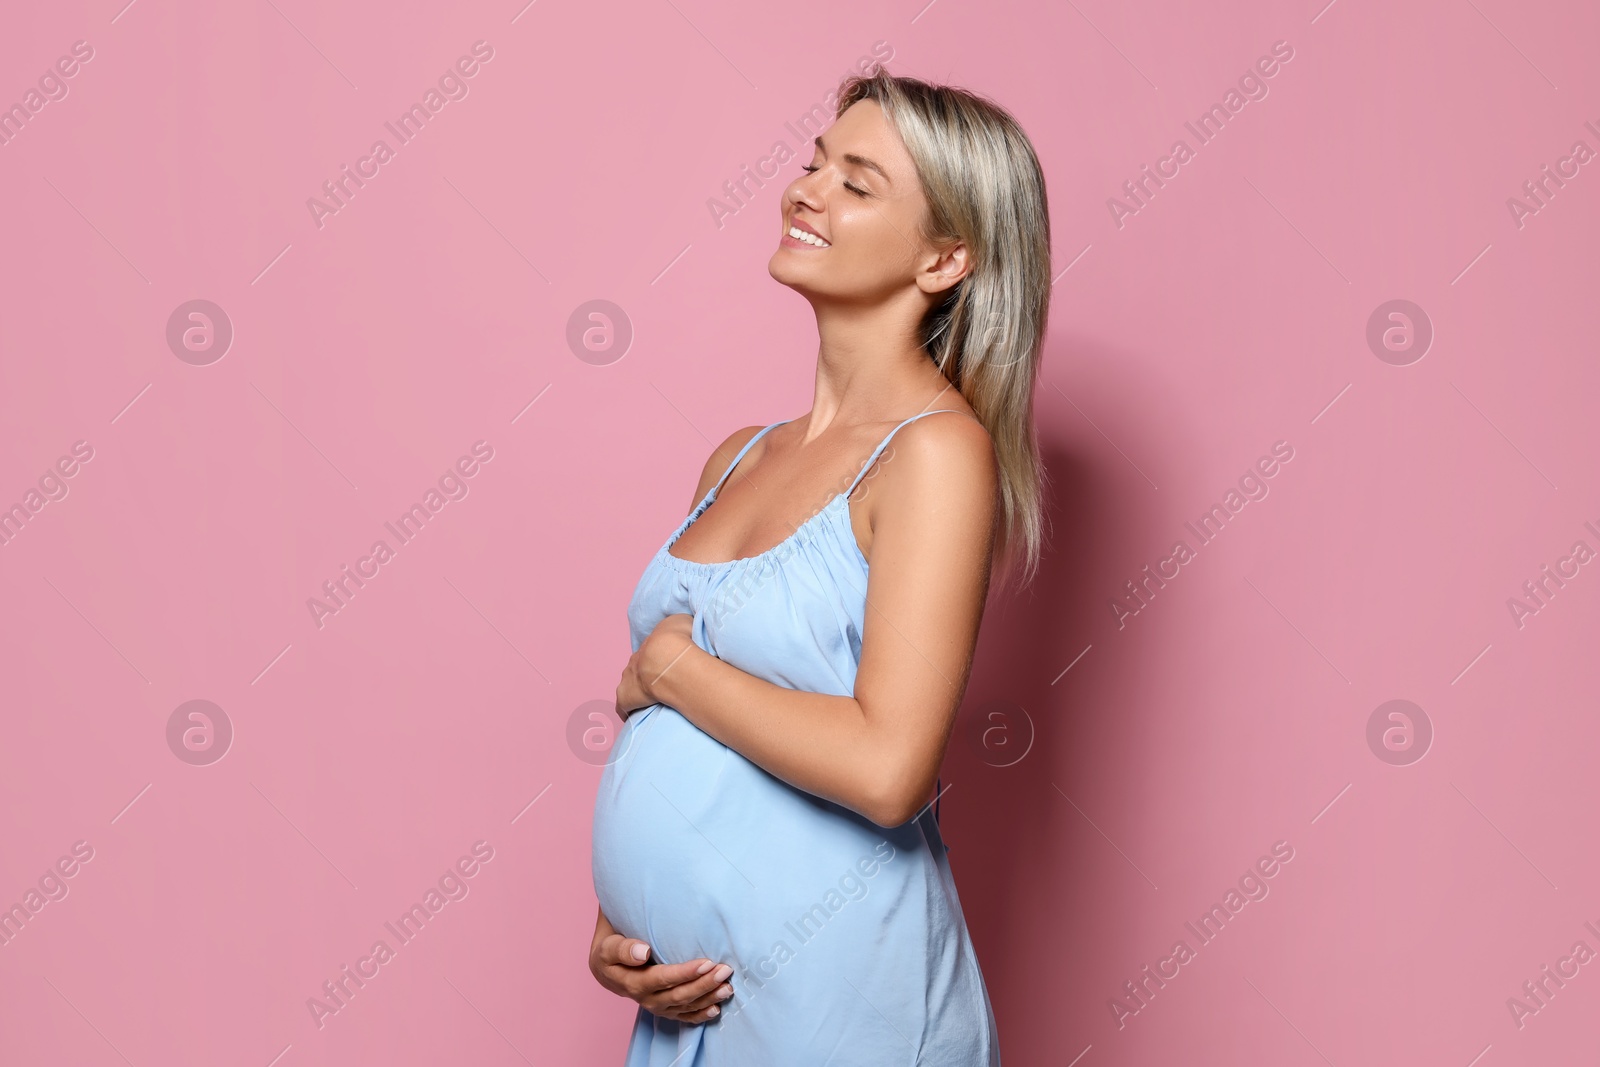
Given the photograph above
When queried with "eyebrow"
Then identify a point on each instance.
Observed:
(860, 161)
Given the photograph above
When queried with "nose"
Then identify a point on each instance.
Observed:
(804, 190)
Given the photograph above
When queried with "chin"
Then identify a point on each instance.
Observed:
(786, 273)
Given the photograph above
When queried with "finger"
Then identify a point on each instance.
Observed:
(662, 979)
(625, 951)
(680, 996)
(701, 1016)
(716, 997)
(662, 976)
(681, 982)
(707, 1007)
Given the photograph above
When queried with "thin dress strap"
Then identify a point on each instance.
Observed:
(748, 445)
(884, 444)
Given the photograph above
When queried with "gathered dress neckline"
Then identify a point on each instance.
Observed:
(829, 511)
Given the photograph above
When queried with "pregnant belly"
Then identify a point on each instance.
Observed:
(699, 852)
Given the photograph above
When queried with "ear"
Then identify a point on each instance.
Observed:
(943, 269)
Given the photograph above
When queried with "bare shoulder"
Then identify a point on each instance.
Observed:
(938, 469)
(721, 456)
(955, 452)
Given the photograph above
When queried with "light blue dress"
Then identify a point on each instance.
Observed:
(847, 939)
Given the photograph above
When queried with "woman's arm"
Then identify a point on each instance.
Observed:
(877, 752)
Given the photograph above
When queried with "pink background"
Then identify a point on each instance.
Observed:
(369, 354)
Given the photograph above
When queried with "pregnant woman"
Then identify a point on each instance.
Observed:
(773, 888)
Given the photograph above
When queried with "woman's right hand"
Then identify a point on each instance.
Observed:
(690, 992)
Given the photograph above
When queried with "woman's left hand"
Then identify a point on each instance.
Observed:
(671, 637)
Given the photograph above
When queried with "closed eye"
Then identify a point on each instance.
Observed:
(847, 185)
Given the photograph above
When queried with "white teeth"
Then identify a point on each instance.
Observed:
(809, 238)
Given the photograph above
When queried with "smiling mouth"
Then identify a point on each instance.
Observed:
(806, 238)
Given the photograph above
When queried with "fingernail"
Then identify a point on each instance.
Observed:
(725, 992)
(641, 952)
(713, 1011)
(704, 967)
(722, 972)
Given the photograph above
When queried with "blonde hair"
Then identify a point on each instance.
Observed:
(984, 186)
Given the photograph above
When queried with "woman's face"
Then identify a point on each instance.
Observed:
(863, 198)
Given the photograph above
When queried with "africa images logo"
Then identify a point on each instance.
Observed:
(452, 885)
(452, 85)
(452, 485)
(1252, 486)
(1252, 886)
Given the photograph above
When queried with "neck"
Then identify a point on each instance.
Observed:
(870, 365)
